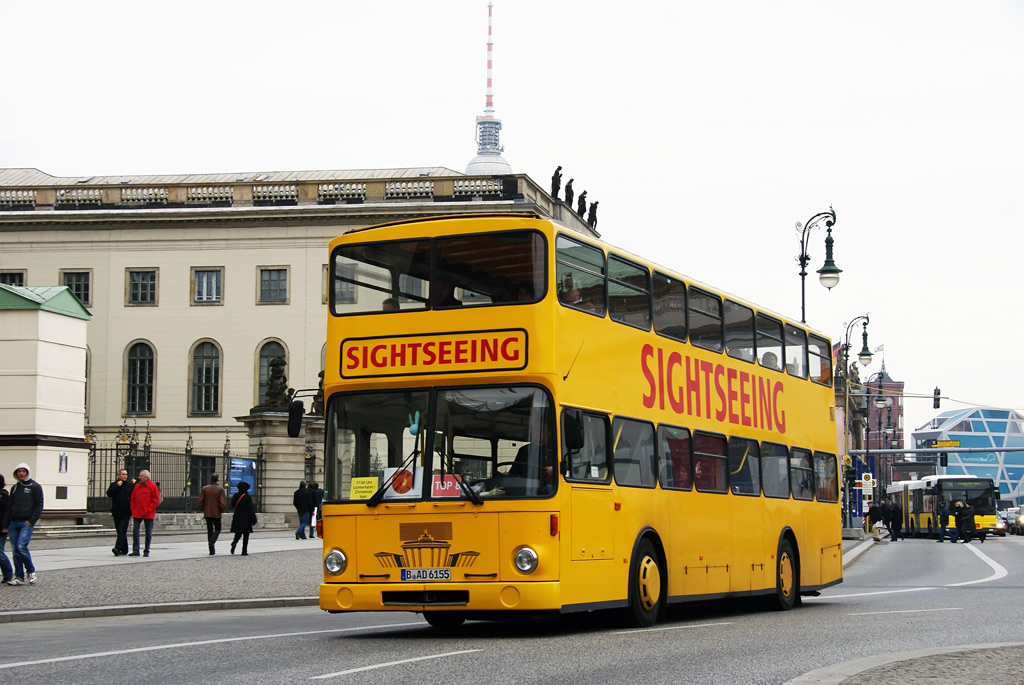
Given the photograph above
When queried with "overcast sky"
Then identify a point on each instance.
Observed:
(706, 130)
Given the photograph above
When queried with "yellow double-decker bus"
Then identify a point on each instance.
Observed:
(522, 418)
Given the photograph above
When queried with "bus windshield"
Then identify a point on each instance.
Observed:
(449, 443)
(438, 273)
(980, 494)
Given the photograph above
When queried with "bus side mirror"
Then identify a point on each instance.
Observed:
(572, 430)
(296, 410)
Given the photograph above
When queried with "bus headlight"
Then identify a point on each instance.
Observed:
(525, 560)
(335, 562)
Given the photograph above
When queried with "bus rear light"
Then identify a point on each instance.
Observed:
(554, 524)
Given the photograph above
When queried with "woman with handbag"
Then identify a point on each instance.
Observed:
(244, 518)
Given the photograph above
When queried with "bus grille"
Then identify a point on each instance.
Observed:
(448, 598)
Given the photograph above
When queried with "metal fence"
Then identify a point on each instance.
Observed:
(180, 472)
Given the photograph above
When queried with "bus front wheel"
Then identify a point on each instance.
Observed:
(787, 580)
(645, 588)
(444, 620)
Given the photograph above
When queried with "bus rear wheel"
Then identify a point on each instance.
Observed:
(444, 620)
(645, 588)
(787, 580)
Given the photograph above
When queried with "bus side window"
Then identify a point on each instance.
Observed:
(590, 460)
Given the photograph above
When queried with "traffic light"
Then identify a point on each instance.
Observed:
(936, 398)
(943, 459)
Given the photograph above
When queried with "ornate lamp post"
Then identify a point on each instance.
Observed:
(864, 357)
(828, 274)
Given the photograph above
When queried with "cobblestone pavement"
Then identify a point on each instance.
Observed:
(84, 573)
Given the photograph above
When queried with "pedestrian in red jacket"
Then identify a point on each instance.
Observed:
(145, 498)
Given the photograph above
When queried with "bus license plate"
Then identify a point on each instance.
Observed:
(426, 574)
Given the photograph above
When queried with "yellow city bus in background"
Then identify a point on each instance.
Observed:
(920, 499)
(522, 418)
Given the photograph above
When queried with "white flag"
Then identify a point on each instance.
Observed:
(880, 348)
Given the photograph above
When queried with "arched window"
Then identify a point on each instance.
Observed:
(205, 379)
(140, 370)
(268, 352)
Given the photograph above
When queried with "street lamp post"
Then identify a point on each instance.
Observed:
(828, 274)
(864, 357)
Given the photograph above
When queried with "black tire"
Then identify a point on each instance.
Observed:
(787, 578)
(646, 589)
(445, 620)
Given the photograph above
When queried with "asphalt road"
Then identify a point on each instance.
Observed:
(899, 600)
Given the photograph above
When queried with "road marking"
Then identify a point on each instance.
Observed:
(904, 611)
(177, 645)
(868, 594)
(393, 663)
(651, 630)
(998, 571)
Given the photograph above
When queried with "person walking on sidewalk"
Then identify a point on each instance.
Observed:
(244, 518)
(24, 507)
(6, 570)
(896, 520)
(874, 517)
(317, 493)
(213, 501)
(120, 494)
(145, 498)
(303, 502)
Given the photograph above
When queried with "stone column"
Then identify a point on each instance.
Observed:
(284, 458)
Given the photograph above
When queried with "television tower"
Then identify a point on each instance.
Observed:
(488, 160)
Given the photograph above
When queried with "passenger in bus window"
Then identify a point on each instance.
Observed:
(567, 291)
(524, 293)
(390, 305)
(770, 360)
(444, 294)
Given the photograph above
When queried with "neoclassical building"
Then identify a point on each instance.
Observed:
(196, 282)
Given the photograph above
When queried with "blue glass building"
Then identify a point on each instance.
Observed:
(984, 428)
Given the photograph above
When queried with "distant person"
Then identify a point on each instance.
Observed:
(770, 360)
(896, 520)
(6, 570)
(970, 525)
(944, 528)
(212, 502)
(390, 305)
(874, 517)
(24, 507)
(120, 494)
(959, 514)
(145, 498)
(303, 503)
(317, 494)
(886, 508)
(244, 517)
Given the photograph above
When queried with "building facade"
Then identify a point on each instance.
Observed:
(196, 283)
(986, 430)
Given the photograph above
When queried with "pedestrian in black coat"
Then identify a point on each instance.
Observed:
(244, 517)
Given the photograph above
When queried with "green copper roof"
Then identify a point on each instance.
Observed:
(50, 298)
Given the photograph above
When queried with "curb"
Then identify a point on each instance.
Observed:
(165, 608)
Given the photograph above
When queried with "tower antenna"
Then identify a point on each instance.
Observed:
(488, 160)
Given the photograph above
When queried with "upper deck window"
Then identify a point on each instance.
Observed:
(705, 320)
(581, 272)
(739, 331)
(479, 269)
(629, 293)
(669, 307)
